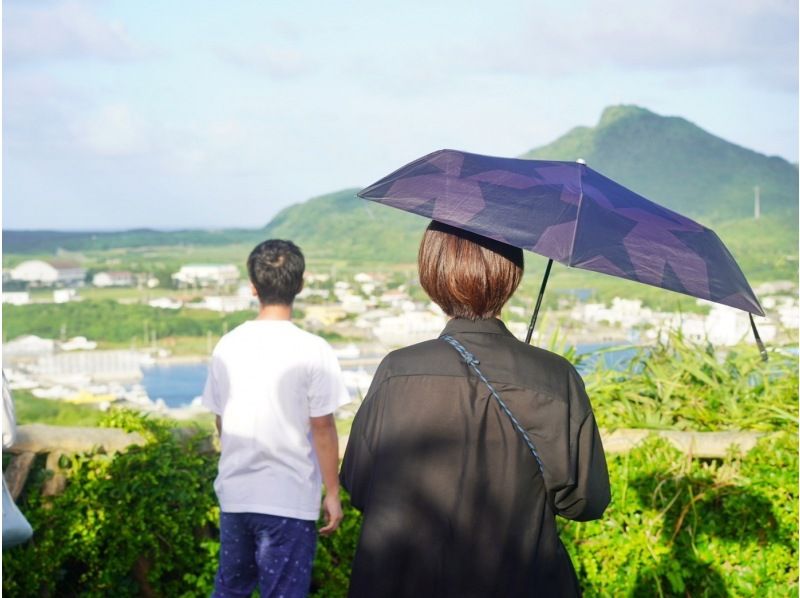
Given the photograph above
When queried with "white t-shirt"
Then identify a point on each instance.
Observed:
(266, 379)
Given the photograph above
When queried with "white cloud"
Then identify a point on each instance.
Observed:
(275, 62)
(113, 131)
(37, 110)
(755, 37)
(36, 31)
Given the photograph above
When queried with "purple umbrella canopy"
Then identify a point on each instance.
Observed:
(571, 214)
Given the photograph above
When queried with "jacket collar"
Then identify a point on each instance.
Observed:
(487, 326)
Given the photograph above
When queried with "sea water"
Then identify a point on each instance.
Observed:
(179, 384)
(176, 384)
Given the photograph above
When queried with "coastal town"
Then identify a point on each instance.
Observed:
(364, 315)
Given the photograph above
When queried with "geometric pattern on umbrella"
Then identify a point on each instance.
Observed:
(572, 214)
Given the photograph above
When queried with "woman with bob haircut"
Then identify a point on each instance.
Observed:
(459, 500)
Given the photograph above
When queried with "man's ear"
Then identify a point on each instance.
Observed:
(253, 290)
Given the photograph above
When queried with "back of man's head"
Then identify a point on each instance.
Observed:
(276, 270)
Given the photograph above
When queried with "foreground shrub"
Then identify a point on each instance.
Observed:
(145, 522)
(133, 524)
(682, 527)
(680, 385)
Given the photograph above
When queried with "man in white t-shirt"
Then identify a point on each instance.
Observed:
(274, 388)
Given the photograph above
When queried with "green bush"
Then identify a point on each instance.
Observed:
(146, 520)
(30, 409)
(112, 321)
(127, 525)
(683, 527)
(331, 574)
(676, 526)
(679, 385)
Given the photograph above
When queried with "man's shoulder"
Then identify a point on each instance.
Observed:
(310, 339)
(232, 338)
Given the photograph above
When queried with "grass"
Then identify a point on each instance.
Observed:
(683, 386)
(178, 346)
(30, 409)
(343, 426)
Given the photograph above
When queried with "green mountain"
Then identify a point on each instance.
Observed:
(679, 165)
(342, 226)
(49, 241)
(667, 159)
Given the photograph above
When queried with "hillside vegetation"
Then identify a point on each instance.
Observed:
(48, 241)
(343, 226)
(667, 159)
(679, 165)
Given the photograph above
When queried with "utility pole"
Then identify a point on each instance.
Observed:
(757, 207)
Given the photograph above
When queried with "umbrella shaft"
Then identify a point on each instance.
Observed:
(539, 301)
(761, 348)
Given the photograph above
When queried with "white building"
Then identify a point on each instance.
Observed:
(17, 297)
(97, 365)
(165, 303)
(312, 278)
(352, 304)
(308, 292)
(394, 297)
(409, 328)
(78, 343)
(363, 277)
(49, 273)
(113, 279)
(64, 295)
(205, 275)
(625, 312)
(789, 314)
(28, 346)
(723, 326)
(226, 304)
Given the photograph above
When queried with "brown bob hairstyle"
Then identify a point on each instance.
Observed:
(467, 275)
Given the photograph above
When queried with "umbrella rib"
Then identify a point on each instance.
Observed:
(577, 214)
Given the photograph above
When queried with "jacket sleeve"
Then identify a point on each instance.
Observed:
(9, 418)
(587, 493)
(357, 462)
(356, 471)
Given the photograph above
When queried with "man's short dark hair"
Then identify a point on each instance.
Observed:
(467, 275)
(276, 270)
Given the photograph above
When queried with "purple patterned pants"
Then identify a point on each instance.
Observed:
(275, 553)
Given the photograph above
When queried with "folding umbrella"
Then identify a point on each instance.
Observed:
(571, 214)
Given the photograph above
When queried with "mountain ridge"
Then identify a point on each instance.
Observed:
(668, 159)
(676, 163)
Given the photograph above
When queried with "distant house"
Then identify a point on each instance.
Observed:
(28, 346)
(17, 297)
(206, 275)
(78, 343)
(64, 295)
(113, 279)
(226, 304)
(323, 315)
(165, 303)
(49, 273)
(411, 327)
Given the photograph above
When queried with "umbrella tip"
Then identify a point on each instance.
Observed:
(581, 161)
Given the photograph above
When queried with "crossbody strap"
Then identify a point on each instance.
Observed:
(473, 362)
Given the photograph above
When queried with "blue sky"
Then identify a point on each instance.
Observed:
(211, 114)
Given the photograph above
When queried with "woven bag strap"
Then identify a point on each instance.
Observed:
(473, 362)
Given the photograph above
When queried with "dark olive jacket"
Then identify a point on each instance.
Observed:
(453, 501)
